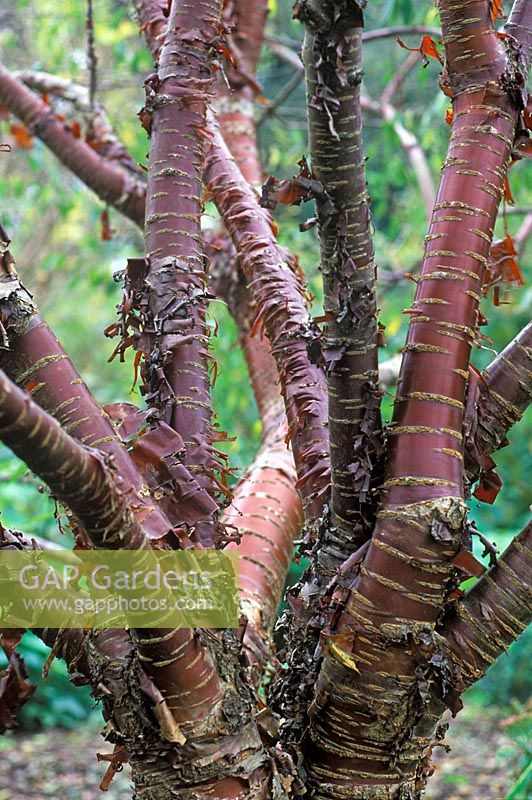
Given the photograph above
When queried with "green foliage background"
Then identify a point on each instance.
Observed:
(54, 223)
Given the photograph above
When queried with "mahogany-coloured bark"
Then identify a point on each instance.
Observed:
(332, 57)
(266, 507)
(98, 131)
(235, 97)
(111, 183)
(175, 337)
(519, 26)
(494, 613)
(382, 649)
(37, 362)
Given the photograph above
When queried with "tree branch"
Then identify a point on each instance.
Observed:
(482, 625)
(496, 402)
(78, 476)
(175, 336)
(33, 358)
(99, 131)
(278, 292)
(111, 183)
(372, 654)
(332, 57)
(519, 25)
(400, 30)
(266, 507)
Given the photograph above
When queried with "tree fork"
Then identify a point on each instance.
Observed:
(375, 656)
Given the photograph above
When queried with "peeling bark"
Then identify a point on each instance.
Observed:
(276, 286)
(36, 361)
(374, 658)
(266, 508)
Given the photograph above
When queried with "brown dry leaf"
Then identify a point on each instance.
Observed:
(21, 135)
(427, 47)
(496, 10)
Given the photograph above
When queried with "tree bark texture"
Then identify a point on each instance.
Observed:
(332, 56)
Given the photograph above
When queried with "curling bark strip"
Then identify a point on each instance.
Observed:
(41, 365)
(187, 696)
(277, 289)
(375, 657)
(111, 183)
(175, 339)
(266, 508)
(332, 57)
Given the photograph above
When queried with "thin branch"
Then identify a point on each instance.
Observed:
(91, 56)
(111, 183)
(281, 96)
(410, 144)
(400, 30)
(369, 36)
(524, 233)
(395, 83)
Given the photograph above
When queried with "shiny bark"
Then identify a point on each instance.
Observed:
(78, 476)
(175, 336)
(481, 626)
(497, 399)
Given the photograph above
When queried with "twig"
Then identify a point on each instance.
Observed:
(92, 58)
(280, 97)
